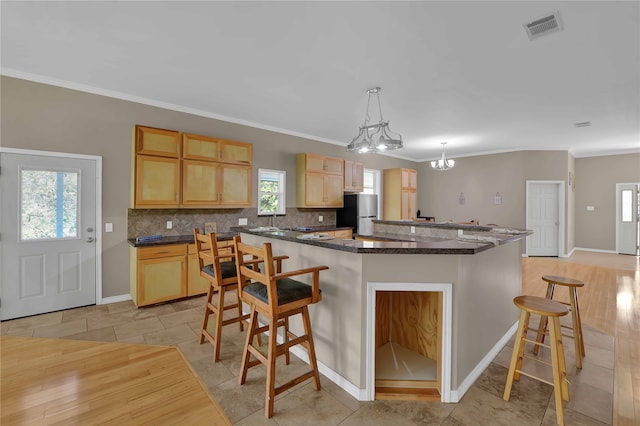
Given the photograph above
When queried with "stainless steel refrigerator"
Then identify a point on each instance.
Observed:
(358, 213)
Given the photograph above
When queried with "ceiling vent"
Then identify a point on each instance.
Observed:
(545, 25)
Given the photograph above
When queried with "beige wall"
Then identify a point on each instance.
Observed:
(596, 186)
(41, 117)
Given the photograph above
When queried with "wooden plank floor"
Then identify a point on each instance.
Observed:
(609, 302)
(53, 381)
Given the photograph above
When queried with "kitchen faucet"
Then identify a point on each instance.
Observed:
(273, 220)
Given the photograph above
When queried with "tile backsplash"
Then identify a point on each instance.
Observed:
(144, 222)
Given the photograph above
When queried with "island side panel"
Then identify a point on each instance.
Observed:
(337, 320)
(483, 305)
(409, 268)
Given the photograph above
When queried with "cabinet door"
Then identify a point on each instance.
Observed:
(157, 182)
(343, 233)
(161, 279)
(197, 147)
(353, 176)
(200, 183)
(409, 179)
(333, 191)
(236, 152)
(408, 207)
(314, 191)
(314, 163)
(151, 141)
(333, 165)
(235, 185)
(195, 283)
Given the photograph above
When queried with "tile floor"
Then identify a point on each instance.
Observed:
(178, 323)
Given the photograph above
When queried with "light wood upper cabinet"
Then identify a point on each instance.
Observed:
(152, 141)
(399, 194)
(353, 176)
(173, 170)
(323, 164)
(210, 184)
(198, 147)
(199, 183)
(409, 178)
(157, 182)
(320, 181)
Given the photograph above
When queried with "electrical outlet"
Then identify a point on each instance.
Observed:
(242, 221)
(169, 224)
(320, 218)
(591, 208)
(108, 227)
(413, 229)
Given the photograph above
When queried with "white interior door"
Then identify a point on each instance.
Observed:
(48, 240)
(627, 218)
(543, 218)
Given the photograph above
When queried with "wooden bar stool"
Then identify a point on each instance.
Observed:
(549, 308)
(578, 339)
(217, 264)
(277, 297)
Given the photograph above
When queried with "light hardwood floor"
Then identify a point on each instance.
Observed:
(609, 302)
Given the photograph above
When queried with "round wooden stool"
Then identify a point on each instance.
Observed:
(553, 310)
(572, 285)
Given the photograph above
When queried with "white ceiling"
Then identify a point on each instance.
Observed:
(461, 72)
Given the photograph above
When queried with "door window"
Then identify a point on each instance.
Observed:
(48, 204)
(627, 205)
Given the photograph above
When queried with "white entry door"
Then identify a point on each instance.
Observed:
(48, 240)
(628, 220)
(543, 219)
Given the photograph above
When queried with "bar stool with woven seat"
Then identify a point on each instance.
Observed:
(578, 339)
(277, 297)
(554, 310)
(217, 264)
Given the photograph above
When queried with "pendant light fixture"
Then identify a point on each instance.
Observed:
(443, 164)
(375, 137)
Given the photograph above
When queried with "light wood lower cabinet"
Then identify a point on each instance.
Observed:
(342, 233)
(195, 283)
(160, 274)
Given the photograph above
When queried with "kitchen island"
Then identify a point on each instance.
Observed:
(464, 276)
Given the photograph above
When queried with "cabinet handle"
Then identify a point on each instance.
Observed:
(177, 197)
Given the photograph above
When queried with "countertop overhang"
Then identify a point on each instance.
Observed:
(396, 243)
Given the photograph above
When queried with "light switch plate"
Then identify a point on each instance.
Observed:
(591, 208)
(169, 224)
(108, 227)
(320, 218)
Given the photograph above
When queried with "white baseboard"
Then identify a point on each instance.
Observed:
(457, 394)
(595, 250)
(344, 384)
(114, 299)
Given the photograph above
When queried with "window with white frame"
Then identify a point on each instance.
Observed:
(271, 191)
(371, 178)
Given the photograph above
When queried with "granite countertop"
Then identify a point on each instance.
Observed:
(400, 244)
(224, 236)
(178, 239)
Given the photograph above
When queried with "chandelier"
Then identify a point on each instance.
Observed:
(375, 137)
(443, 164)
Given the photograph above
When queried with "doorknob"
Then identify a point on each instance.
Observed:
(90, 240)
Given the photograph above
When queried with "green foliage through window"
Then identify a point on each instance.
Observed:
(271, 191)
(49, 204)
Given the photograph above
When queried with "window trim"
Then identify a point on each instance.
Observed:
(282, 194)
